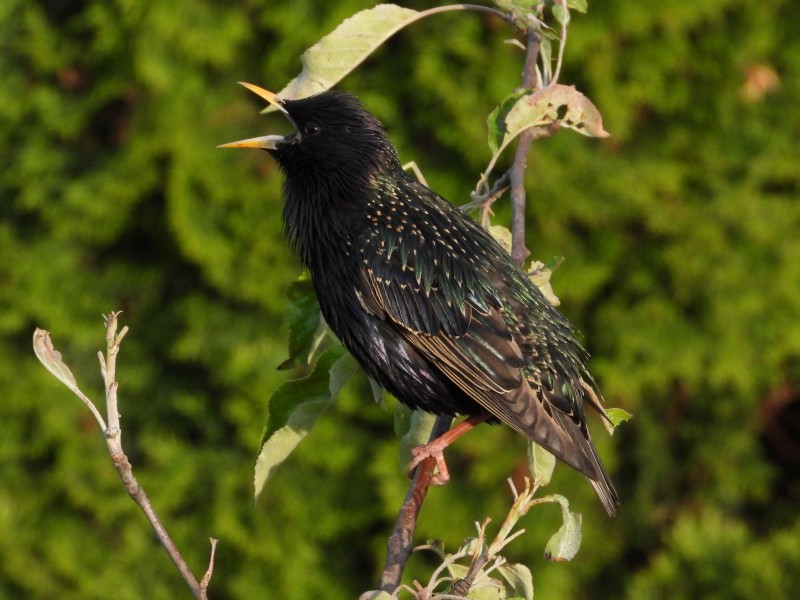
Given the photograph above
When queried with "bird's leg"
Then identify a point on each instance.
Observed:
(435, 448)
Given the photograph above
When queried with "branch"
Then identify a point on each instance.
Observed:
(51, 359)
(517, 172)
(400, 543)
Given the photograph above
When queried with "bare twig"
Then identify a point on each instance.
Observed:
(210, 571)
(519, 251)
(51, 359)
(399, 545)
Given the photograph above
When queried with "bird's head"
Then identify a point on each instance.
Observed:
(334, 136)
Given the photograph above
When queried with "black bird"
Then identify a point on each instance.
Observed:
(431, 306)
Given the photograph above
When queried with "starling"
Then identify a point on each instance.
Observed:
(424, 298)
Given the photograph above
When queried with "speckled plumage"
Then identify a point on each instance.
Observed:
(425, 299)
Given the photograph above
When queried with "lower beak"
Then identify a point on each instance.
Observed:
(267, 142)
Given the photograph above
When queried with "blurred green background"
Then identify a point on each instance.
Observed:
(681, 234)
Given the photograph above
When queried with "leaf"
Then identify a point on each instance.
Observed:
(541, 464)
(520, 581)
(346, 47)
(306, 326)
(496, 120)
(556, 104)
(51, 359)
(413, 428)
(294, 408)
(540, 274)
(566, 542)
(502, 235)
(580, 5)
(617, 416)
(561, 13)
(375, 595)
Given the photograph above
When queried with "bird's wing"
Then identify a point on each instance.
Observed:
(456, 319)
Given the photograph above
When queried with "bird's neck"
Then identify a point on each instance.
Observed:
(321, 215)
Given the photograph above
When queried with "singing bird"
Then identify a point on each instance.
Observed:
(424, 298)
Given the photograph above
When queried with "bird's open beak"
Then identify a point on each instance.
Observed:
(267, 142)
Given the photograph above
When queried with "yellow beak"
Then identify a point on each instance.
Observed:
(267, 142)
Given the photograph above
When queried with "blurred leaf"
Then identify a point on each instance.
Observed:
(375, 595)
(617, 416)
(342, 50)
(566, 542)
(579, 5)
(561, 13)
(413, 427)
(520, 581)
(541, 464)
(294, 408)
(306, 326)
(540, 274)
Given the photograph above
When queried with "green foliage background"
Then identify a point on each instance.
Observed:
(682, 240)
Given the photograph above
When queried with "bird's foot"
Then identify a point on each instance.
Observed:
(434, 450)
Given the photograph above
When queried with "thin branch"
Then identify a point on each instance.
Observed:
(122, 464)
(517, 172)
(210, 571)
(399, 546)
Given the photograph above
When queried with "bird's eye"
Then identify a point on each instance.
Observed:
(312, 129)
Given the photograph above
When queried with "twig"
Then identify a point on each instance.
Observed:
(51, 359)
(517, 172)
(399, 546)
(121, 462)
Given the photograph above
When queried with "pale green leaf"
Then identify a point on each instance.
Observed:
(540, 274)
(519, 580)
(346, 47)
(566, 542)
(502, 235)
(541, 464)
(561, 13)
(554, 105)
(294, 408)
(580, 5)
(51, 359)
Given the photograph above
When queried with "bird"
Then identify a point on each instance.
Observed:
(431, 306)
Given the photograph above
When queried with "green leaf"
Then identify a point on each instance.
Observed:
(556, 104)
(519, 579)
(306, 326)
(618, 415)
(541, 464)
(496, 120)
(566, 542)
(294, 408)
(413, 428)
(561, 13)
(346, 47)
(580, 5)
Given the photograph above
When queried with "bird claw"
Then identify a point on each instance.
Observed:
(435, 451)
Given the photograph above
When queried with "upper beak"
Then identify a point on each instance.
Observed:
(267, 142)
